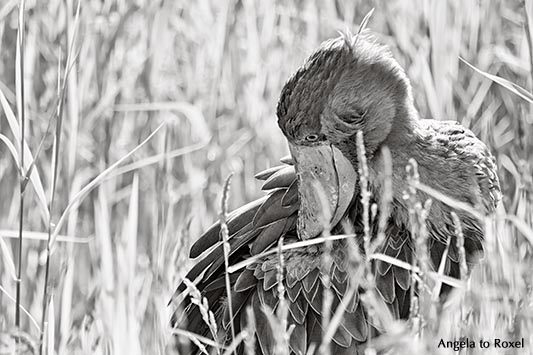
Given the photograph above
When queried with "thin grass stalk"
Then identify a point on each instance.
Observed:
(413, 180)
(385, 199)
(442, 266)
(249, 341)
(192, 336)
(418, 213)
(71, 80)
(203, 305)
(365, 201)
(225, 236)
(73, 109)
(289, 246)
(450, 201)
(460, 246)
(21, 114)
(154, 159)
(164, 203)
(50, 328)
(422, 252)
(365, 193)
(280, 327)
(24, 310)
(423, 256)
(54, 164)
(383, 216)
(279, 274)
(335, 321)
(462, 255)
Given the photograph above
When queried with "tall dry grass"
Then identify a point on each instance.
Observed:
(97, 84)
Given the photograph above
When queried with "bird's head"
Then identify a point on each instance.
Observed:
(349, 84)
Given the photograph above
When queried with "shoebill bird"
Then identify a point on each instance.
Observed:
(349, 84)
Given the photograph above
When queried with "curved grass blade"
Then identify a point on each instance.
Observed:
(76, 200)
(516, 89)
(11, 147)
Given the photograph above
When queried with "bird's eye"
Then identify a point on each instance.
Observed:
(354, 117)
(360, 113)
(311, 137)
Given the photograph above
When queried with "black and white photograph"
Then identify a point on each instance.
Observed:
(248, 177)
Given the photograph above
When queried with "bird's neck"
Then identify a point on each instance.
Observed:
(403, 126)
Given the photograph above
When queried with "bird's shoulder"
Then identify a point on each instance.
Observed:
(453, 137)
(460, 147)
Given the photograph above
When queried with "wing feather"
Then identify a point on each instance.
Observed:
(245, 281)
(270, 280)
(356, 324)
(271, 210)
(272, 233)
(281, 178)
(237, 220)
(298, 339)
(264, 333)
(291, 195)
(238, 300)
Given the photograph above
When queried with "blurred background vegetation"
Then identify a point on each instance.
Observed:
(212, 70)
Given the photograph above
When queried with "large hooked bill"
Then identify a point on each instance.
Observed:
(326, 186)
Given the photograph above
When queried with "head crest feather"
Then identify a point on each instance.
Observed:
(349, 39)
